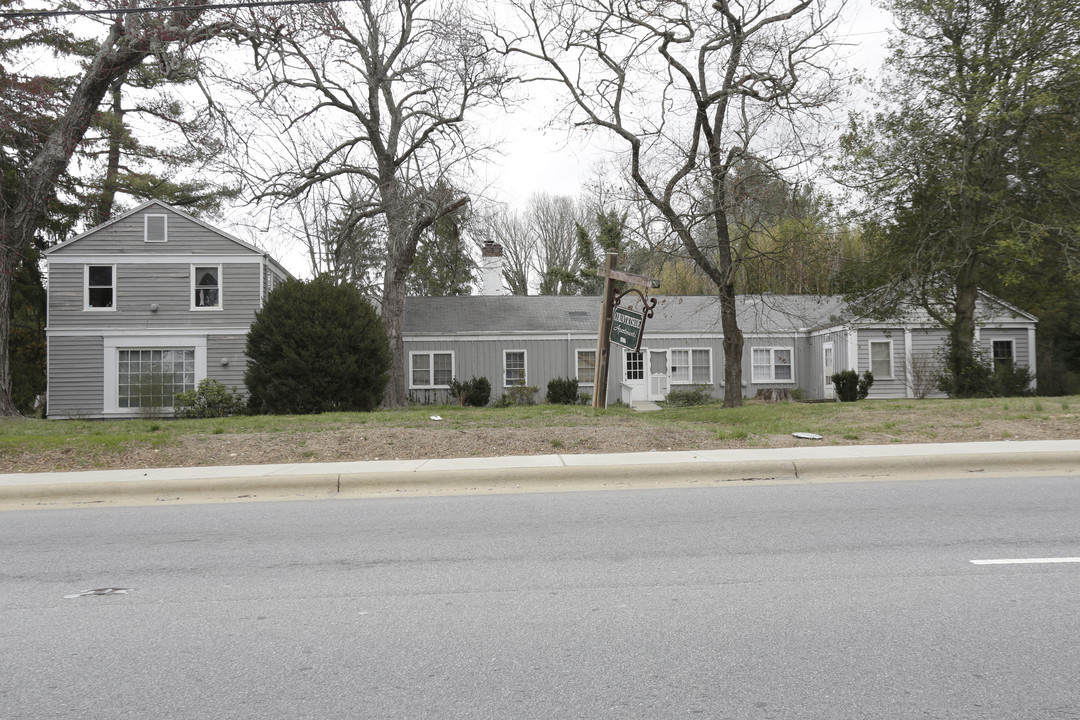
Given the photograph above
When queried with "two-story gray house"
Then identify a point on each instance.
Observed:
(145, 306)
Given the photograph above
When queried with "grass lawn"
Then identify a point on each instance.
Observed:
(753, 425)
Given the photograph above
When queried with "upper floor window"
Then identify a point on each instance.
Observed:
(206, 287)
(881, 358)
(100, 287)
(155, 228)
(771, 365)
(1003, 352)
(513, 368)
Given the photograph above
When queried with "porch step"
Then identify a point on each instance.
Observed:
(645, 406)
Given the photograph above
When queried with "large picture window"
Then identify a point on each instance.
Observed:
(693, 366)
(100, 287)
(431, 369)
(206, 287)
(881, 359)
(151, 378)
(513, 368)
(771, 365)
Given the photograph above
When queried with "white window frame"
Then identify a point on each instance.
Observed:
(627, 354)
(524, 368)
(1012, 350)
(113, 344)
(870, 359)
(431, 369)
(672, 364)
(590, 381)
(164, 228)
(86, 288)
(221, 290)
(772, 365)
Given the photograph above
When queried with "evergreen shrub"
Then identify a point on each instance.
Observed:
(562, 391)
(471, 393)
(850, 386)
(316, 347)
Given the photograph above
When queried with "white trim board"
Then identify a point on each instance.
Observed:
(156, 259)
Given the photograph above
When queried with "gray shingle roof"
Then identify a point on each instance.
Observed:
(575, 314)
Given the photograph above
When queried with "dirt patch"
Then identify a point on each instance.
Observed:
(368, 442)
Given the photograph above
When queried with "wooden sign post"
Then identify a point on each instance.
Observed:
(603, 340)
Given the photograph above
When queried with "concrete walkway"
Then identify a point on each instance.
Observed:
(535, 473)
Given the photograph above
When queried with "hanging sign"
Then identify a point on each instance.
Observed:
(626, 327)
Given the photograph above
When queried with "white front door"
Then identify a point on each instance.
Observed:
(829, 362)
(634, 375)
(658, 374)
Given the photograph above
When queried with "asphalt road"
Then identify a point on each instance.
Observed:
(848, 600)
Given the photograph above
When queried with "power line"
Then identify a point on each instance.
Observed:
(170, 8)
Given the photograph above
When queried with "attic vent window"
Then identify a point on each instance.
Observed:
(156, 228)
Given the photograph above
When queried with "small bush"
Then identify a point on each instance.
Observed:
(471, 393)
(518, 395)
(975, 375)
(689, 396)
(584, 398)
(562, 391)
(850, 386)
(210, 399)
(866, 381)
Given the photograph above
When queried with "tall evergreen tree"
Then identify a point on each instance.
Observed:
(971, 166)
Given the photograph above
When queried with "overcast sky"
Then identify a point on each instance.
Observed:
(538, 158)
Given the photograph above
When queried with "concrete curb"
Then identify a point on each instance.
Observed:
(548, 473)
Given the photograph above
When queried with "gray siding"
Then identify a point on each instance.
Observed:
(1019, 336)
(125, 237)
(545, 360)
(926, 347)
(231, 348)
(885, 387)
(138, 286)
(814, 362)
(799, 372)
(76, 377)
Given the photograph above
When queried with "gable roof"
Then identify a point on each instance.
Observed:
(544, 314)
(165, 206)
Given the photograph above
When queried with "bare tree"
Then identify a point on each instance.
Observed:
(692, 90)
(131, 40)
(553, 220)
(378, 91)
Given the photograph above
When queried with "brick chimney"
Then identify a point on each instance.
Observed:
(491, 269)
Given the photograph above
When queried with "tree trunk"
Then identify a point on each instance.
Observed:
(112, 160)
(733, 348)
(38, 184)
(962, 332)
(9, 262)
(393, 311)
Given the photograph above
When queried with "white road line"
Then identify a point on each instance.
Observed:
(1026, 561)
